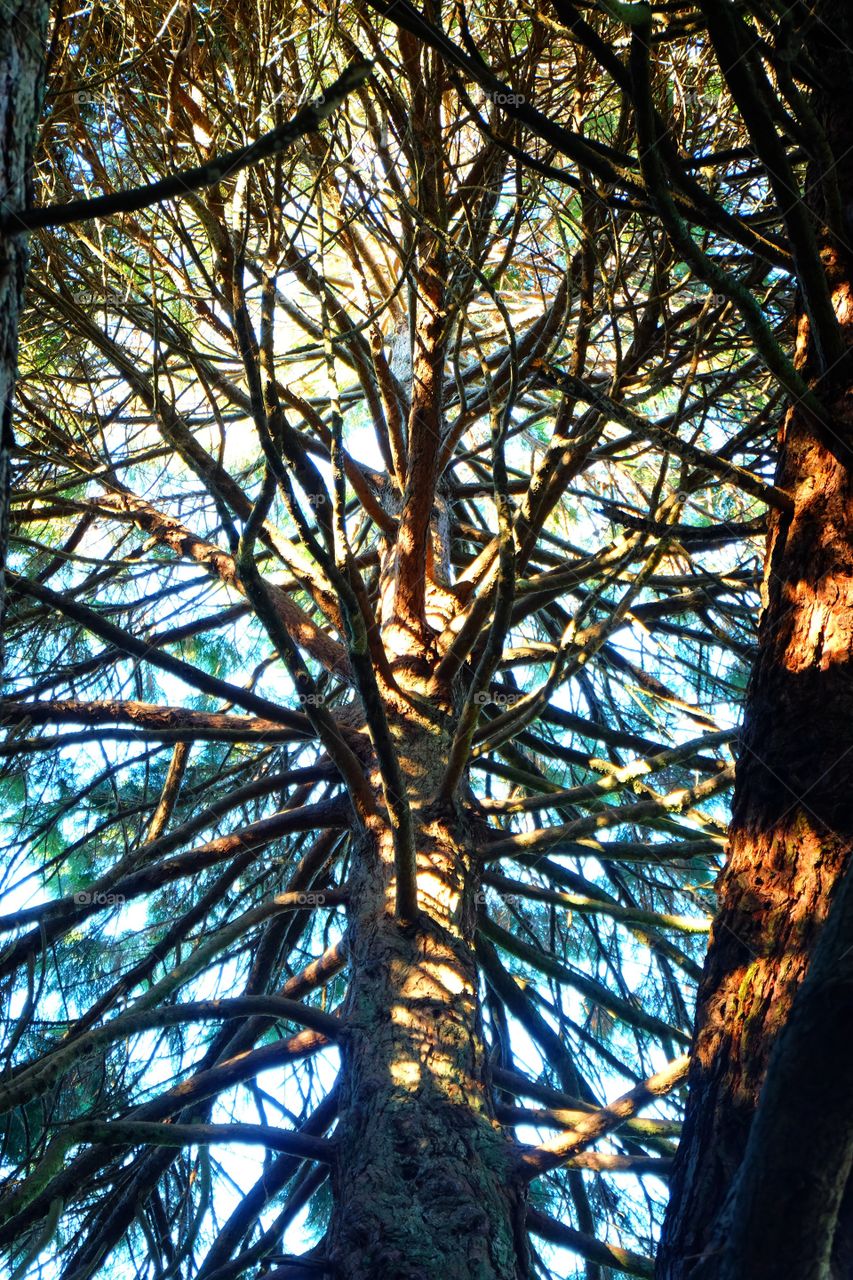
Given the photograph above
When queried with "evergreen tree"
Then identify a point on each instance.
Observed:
(392, 477)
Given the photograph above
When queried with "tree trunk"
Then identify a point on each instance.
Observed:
(782, 1213)
(790, 834)
(424, 1186)
(22, 32)
(792, 814)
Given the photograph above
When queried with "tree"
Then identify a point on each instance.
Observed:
(790, 834)
(386, 516)
(22, 34)
(784, 71)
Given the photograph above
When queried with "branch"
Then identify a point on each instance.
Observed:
(195, 179)
(660, 435)
(132, 1133)
(592, 990)
(609, 1255)
(129, 644)
(325, 814)
(552, 838)
(167, 529)
(563, 1111)
(558, 1151)
(596, 906)
(273, 1180)
(201, 725)
(38, 1076)
(705, 267)
(27, 1203)
(747, 81)
(614, 776)
(56, 918)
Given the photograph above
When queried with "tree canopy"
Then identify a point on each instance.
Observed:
(420, 467)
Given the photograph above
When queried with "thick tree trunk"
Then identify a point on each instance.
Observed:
(790, 834)
(782, 1214)
(22, 32)
(793, 816)
(423, 1185)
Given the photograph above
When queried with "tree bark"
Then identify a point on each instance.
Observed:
(22, 35)
(782, 1213)
(792, 815)
(425, 1186)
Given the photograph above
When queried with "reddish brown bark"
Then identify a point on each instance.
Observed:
(407, 631)
(153, 716)
(792, 817)
(786, 1214)
(790, 833)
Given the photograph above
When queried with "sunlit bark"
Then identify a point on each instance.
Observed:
(425, 1185)
(792, 819)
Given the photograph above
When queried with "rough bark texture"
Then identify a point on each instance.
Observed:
(22, 33)
(790, 834)
(781, 1216)
(792, 817)
(424, 1186)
